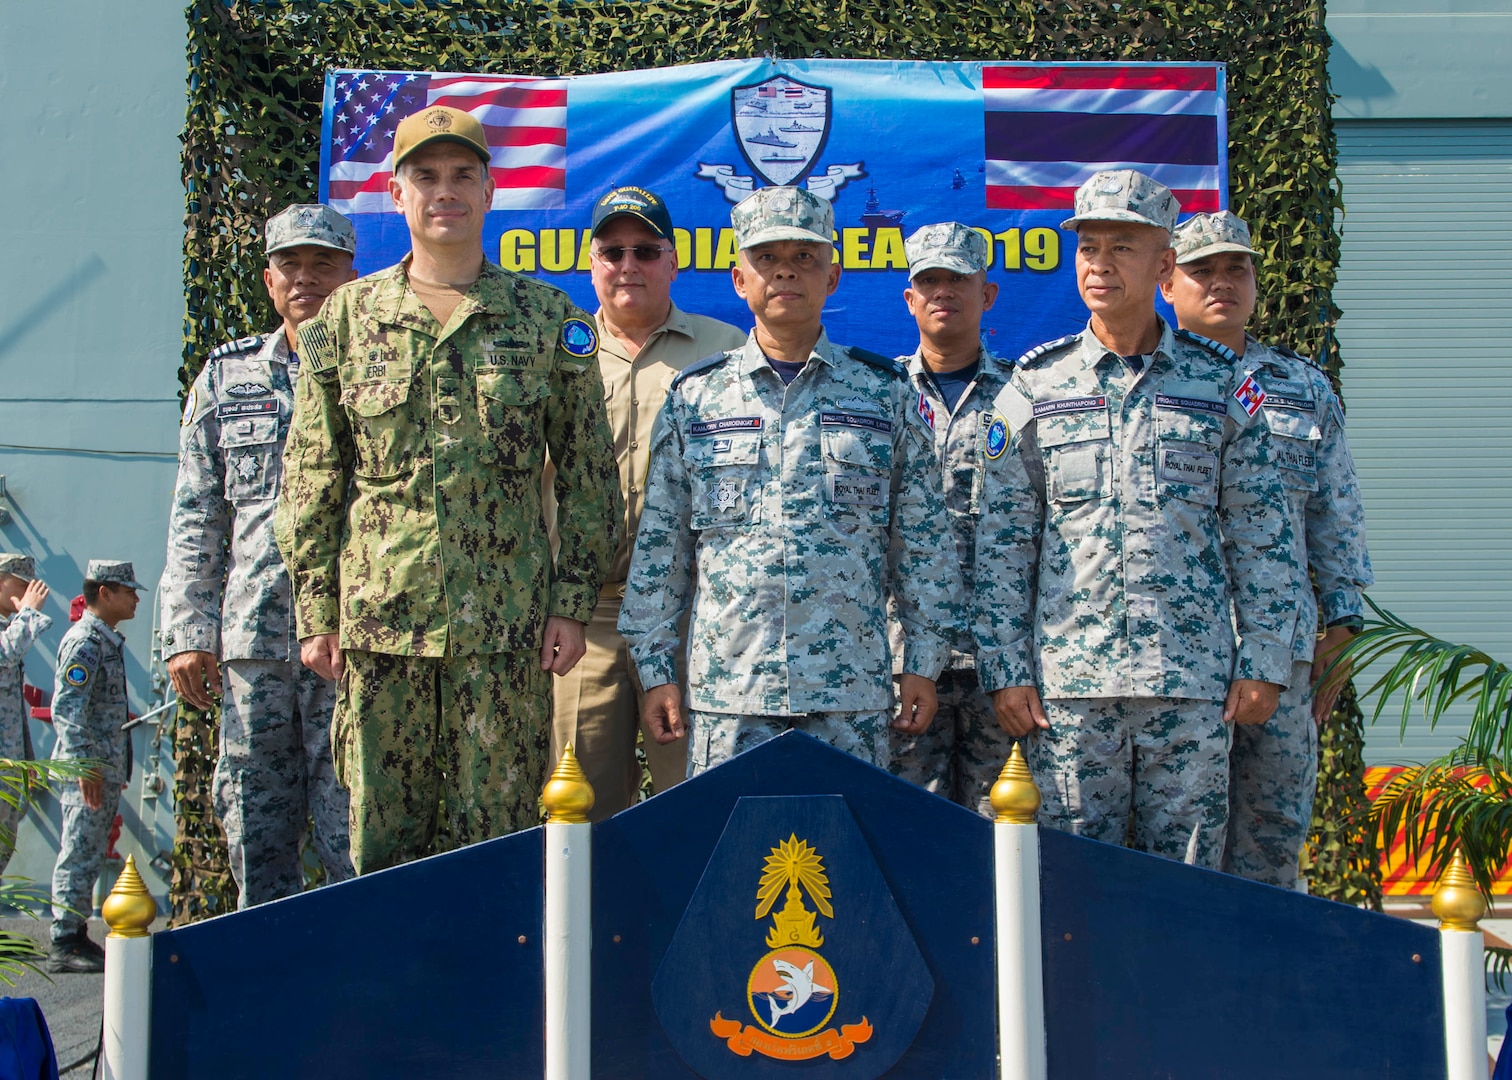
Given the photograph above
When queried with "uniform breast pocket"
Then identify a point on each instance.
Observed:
(727, 481)
(250, 450)
(1188, 449)
(858, 475)
(511, 401)
(382, 433)
(1294, 439)
(1078, 452)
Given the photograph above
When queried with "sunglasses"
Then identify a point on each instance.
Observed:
(646, 253)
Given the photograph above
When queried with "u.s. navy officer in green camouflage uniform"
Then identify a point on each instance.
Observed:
(1164, 536)
(411, 519)
(792, 487)
(1273, 768)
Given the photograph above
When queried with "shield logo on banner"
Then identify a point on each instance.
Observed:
(781, 125)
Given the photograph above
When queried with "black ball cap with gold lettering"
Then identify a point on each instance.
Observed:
(439, 124)
(645, 206)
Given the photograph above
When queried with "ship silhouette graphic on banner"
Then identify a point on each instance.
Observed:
(827, 971)
(781, 126)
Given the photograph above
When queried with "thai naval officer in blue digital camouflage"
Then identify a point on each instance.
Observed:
(22, 595)
(1164, 529)
(1273, 766)
(412, 521)
(792, 490)
(226, 594)
(89, 713)
(956, 378)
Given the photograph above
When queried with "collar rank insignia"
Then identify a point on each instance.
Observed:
(816, 975)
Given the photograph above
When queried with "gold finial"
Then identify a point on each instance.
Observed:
(1015, 796)
(568, 796)
(130, 908)
(1457, 901)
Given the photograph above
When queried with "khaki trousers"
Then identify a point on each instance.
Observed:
(597, 706)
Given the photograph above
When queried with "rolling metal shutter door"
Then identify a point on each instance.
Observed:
(1425, 282)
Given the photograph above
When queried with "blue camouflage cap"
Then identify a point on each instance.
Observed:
(782, 213)
(110, 572)
(948, 245)
(309, 223)
(21, 566)
(1125, 195)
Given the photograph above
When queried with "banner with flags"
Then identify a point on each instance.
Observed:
(893, 145)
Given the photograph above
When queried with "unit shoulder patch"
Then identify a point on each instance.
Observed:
(1041, 351)
(579, 338)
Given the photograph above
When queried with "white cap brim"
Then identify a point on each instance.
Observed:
(782, 232)
(1214, 249)
(1115, 215)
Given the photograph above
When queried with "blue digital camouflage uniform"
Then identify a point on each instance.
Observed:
(412, 525)
(782, 517)
(1273, 766)
(16, 636)
(961, 754)
(1162, 512)
(226, 592)
(89, 712)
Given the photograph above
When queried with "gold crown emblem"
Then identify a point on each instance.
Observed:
(439, 121)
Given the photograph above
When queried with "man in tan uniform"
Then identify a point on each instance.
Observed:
(644, 340)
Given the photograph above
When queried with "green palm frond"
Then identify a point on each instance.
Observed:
(1460, 800)
(1430, 674)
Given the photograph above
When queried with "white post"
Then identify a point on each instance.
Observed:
(1458, 904)
(1021, 984)
(129, 911)
(569, 922)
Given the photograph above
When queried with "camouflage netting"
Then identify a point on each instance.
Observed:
(256, 76)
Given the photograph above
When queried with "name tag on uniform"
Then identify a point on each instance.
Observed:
(855, 420)
(1191, 404)
(1279, 401)
(702, 429)
(246, 408)
(1069, 405)
(1187, 467)
(1291, 454)
(857, 490)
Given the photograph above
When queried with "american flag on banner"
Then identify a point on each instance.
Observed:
(1049, 128)
(524, 118)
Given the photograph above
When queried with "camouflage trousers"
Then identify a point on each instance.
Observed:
(10, 821)
(597, 707)
(274, 774)
(1273, 774)
(415, 732)
(15, 744)
(1146, 773)
(714, 738)
(81, 853)
(962, 753)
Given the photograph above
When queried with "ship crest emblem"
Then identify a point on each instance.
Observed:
(793, 992)
(781, 126)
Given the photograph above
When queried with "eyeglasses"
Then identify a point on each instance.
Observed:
(646, 253)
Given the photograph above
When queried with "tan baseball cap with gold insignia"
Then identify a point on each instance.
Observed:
(439, 123)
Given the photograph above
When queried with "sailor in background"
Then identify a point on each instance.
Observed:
(1273, 767)
(227, 603)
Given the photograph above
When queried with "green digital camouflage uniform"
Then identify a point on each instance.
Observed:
(1274, 766)
(411, 524)
(1163, 531)
(782, 517)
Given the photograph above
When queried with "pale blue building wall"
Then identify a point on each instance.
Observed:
(91, 315)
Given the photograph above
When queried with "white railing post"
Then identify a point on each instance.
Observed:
(1021, 983)
(1459, 907)
(129, 911)
(569, 921)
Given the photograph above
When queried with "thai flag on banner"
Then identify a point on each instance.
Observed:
(1049, 128)
(524, 118)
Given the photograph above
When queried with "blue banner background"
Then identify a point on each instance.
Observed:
(910, 125)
